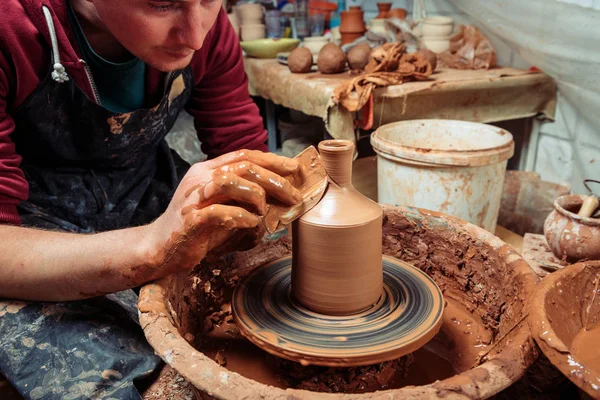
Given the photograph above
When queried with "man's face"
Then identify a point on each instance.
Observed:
(163, 33)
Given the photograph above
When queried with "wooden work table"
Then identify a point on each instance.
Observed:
(495, 95)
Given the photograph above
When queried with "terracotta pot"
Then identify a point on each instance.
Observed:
(336, 268)
(564, 316)
(349, 37)
(399, 13)
(471, 265)
(569, 235)
(383, 9)
(355, 9)
(352, 22)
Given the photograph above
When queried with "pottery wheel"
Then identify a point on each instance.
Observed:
(406, 316)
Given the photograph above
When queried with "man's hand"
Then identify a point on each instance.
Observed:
(216, 199)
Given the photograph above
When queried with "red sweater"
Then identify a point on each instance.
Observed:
(225, 117)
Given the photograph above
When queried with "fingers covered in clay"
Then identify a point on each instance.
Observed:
(274, 184)
(227, 187)
(277, 164)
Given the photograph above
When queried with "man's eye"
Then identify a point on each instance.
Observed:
(161, 5)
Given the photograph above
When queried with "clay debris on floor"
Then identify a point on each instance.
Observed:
(169, 386)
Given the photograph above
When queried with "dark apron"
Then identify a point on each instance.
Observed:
(89, 170)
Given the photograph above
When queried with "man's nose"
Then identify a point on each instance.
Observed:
(193, 29)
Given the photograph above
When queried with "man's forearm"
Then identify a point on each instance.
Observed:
(56, 266)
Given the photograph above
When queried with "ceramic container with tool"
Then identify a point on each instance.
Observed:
(570, 235)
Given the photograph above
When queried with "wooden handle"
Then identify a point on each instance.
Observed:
(589, 206)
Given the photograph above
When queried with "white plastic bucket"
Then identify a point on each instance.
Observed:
(454, 167)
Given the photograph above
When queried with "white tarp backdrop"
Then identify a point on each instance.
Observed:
(563, 40)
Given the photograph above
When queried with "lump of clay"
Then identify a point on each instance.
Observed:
(332, 59)
(429, 56)
(358, 56)
(300, 60)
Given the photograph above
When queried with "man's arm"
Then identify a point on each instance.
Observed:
(225, 116)
(54, 266)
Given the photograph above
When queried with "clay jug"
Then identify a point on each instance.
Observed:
(399, 13)
(352, 21)
(383, 9)
(336, 257)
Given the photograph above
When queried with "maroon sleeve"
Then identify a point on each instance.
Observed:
(225, 116)
(13, 186)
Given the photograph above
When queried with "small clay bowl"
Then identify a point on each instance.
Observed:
(564, 317)
(569, 235)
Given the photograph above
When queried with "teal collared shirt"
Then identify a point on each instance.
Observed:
(121, 86)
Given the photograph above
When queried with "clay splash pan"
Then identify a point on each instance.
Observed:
(564, 316)
(407, 315)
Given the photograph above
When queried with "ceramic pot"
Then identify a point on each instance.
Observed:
(437, 27)
(383, 9)
(437, 45)
(336, 267)
(252, 31)
(315, 43)
(399, 13)
(569, 235)
(355, 9)
(249, 13)
(378, 27)
(352, 22)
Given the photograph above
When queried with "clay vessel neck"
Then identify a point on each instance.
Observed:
(337, 158)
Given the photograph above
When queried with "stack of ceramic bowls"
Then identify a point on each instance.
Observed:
(436, 33)
(315, 43)
(250, 17)
(352, 25)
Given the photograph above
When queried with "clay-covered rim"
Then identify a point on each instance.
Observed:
(540, 324)
(572, 200)
(205, 374)
(411, 141)
(335, 145)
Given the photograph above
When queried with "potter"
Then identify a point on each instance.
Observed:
(93, 202)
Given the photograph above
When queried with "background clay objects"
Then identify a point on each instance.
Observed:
(332, 59)
(300, 60)
(352, 25)
(358, 56)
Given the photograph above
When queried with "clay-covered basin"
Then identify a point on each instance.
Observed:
(484, 340)
(565, 322)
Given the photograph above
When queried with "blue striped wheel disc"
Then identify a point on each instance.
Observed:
(406, 316)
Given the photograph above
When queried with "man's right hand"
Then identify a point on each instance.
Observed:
(214, 200)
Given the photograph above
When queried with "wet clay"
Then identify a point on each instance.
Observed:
(311, 180)
(565, 322)
(488, 280)
(570, 236)
(336, 267)
(454, 349)
(586, 347)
